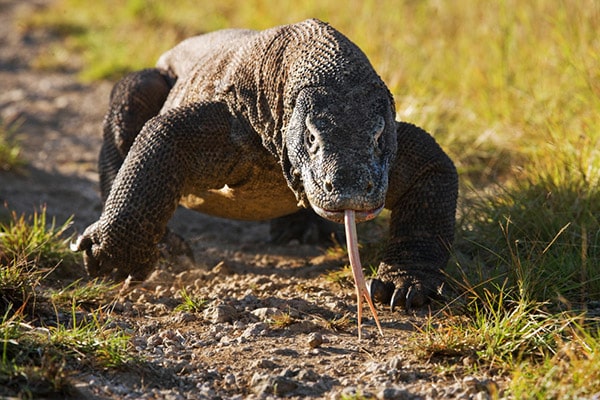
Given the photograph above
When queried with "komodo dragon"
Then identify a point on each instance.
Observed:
(257, 125)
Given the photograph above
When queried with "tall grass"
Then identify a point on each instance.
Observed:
(496, 82)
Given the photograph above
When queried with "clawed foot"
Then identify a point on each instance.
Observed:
(100, 262)
(408, 290)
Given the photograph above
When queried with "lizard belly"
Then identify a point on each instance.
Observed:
(262, 200)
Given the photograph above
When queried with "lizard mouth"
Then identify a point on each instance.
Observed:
(338, 215)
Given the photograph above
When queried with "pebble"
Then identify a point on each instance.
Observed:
(265, 384)
(154, 340)
(308, 375)
(265, 363)
(255, 329)
(220, 313)
(395, 363)
(184, 317)
(265, 314)
(314, 340)
(394, 394)
(229, 380)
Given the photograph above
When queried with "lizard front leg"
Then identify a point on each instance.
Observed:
(172, 151)
(134, 100)
(422, 194)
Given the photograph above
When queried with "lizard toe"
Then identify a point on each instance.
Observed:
(379, 291)
(407, 290)
(409, 297)
(100, 261)
(88, 244)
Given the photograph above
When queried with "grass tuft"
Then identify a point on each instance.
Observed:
(342, 323)
(190, 303)
(83, 294)
(541, 233)
(18, 280)
(281, 320)
(33, 239)
(90, 339)
(37, 356)
(10, 150)
(573, 372)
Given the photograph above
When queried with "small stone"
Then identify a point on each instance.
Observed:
(184, 317)
(469, 361)
(393, 393)
(263, 384)
(308, 375)
(373, 367)
(481, 396)
(315, 340)
(265, 314)
(255, 329)
(220, 313)
(265, 363)
(239, 325)
(349, 391)
(221, 269)
(229, 380)
(433, 393)
(154, 340)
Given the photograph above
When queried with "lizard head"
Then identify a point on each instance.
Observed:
(340, 145)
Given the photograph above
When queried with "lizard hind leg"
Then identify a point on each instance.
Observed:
(306, 227)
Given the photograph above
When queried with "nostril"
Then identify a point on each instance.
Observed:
(370, 186)
(328, 186)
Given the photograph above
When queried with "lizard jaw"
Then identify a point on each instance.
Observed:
(338, 215)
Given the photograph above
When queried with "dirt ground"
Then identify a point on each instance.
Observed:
(267, 330)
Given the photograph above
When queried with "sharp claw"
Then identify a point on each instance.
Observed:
(396, 298)
(92, 265)
(380, 291)
(81, 243)
(370, 283)
(410, 296)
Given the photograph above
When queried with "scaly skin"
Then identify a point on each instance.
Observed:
(259, 125)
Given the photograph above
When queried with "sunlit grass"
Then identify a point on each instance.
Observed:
(542, 230)
(35, 239)
(495, 83)
(83, 293)
(190, 302)
(37, 358)
(520, 301)
(573, 372)
(91, 339)
(10, 150)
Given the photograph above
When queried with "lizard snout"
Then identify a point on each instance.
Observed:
(368, 186)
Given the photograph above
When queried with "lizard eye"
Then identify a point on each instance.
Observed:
(312, 137)
(378, 131)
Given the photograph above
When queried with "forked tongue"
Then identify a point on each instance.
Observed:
(359, 278)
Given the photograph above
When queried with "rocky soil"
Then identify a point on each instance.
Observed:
(273, 325)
